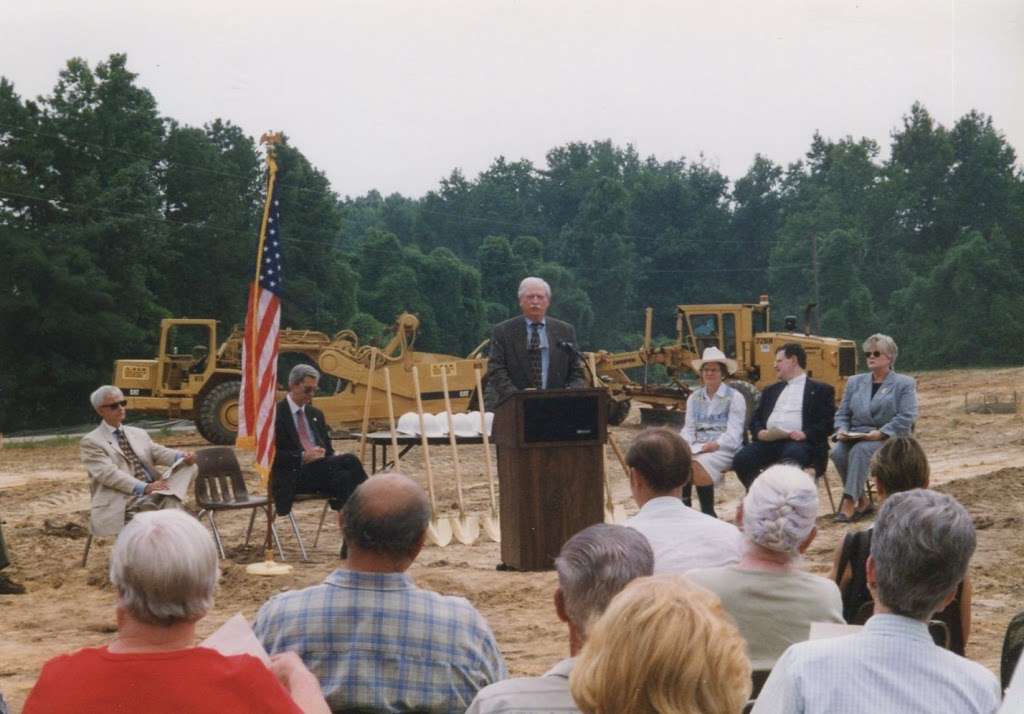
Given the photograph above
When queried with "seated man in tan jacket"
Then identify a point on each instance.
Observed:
(122, 464)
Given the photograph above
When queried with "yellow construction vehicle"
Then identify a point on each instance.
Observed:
(742, 332)
(192, 378)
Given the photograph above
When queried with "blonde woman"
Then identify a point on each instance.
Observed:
(664, 645)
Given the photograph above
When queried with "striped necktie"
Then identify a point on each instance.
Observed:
(536, 365)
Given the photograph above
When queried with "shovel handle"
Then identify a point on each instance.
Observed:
(366, 407)
(451, 436)
(487, 439)
(391, 415)
(423, 439)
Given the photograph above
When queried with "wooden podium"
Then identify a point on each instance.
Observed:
(550, 460)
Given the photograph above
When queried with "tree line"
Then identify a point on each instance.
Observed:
(113, 216)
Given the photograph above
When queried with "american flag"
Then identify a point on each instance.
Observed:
(260, 345)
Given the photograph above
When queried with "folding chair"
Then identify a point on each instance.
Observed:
(323, 515)
(219, 486)
(1013, 644)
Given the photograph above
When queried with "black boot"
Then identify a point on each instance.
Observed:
(688, 495)
(706, 496)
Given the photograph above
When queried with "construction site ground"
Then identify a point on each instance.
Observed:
(44, 501)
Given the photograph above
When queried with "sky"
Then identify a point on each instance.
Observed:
(393, 95)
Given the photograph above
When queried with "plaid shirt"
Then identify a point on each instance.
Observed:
(376, 640)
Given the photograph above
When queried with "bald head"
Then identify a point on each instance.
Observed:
(387, 515)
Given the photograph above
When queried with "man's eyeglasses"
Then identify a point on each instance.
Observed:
(115, 405)
(875, 353)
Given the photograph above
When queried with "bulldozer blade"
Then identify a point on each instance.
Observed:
(466, 529)
(439, 532)
(491, 527)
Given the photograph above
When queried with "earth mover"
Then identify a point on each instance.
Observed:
(192, 378)
(742, 332)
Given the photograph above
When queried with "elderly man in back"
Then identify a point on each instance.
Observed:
(922, 543)
(593, 566)
(122, 464)
(374, 639)
(683, 539)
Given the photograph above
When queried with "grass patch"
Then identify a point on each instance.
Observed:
(43, 443)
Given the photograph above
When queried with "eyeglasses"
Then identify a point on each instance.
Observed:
(115, 405)
(875, 353)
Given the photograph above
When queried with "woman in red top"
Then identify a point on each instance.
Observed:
(164, 566)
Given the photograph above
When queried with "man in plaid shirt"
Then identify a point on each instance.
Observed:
(372, 637)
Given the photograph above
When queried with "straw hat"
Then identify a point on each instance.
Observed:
(713, 354)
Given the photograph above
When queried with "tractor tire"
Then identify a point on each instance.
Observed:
(218, 414)
(751, 395)
(618, 411)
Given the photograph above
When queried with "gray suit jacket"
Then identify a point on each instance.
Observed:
(892, 410)
(110, 478)
(508, 369)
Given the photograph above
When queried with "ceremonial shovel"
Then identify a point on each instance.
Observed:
(366, 407)
(490, 522)
(466, 528)
(391, 418)
(439, 530)
(613, 513)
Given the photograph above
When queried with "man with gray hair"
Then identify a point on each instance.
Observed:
(923, 541)
(122, 464)
(304, 460)
(532, 350)
(593, 566)
(375, 640)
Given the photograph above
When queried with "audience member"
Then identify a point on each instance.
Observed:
(922, 545)
(772, 600)
(900, 465)
(682, 538)
(663, 645)
(793, 421)
(716, 416)
(374, 639)
(121, 461)
(876, 406)
(304, 459)
(593, 566)
(164, 567)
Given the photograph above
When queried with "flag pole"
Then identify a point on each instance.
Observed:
(268, 566)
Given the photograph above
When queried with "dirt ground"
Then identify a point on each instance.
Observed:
(44, 501)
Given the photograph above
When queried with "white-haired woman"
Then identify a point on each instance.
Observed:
(876, 405)
(164, 567)
(716, 415)
(772, 600)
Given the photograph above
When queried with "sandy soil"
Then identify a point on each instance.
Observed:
(44, 500)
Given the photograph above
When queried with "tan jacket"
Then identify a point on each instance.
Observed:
(111, 480)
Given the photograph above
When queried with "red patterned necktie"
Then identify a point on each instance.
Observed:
(307, 442)
(536, 365)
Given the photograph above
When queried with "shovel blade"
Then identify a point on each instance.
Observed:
(492, 528)
(439, 532)
(466, 529)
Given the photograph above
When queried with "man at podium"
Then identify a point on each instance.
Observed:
(532, 351)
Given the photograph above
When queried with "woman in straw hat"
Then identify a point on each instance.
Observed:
(715, 416)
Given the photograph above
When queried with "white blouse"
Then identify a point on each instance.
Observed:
(720, 418)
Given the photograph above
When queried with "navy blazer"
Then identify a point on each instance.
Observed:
(288, 454)
(892, 411)
(819, 408)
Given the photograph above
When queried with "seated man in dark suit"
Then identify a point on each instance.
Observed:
(793, 420)
(532, 351)
(305, 461)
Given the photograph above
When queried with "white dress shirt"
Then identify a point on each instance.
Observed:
(788, 413)
(683, 539)
(892, 665)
